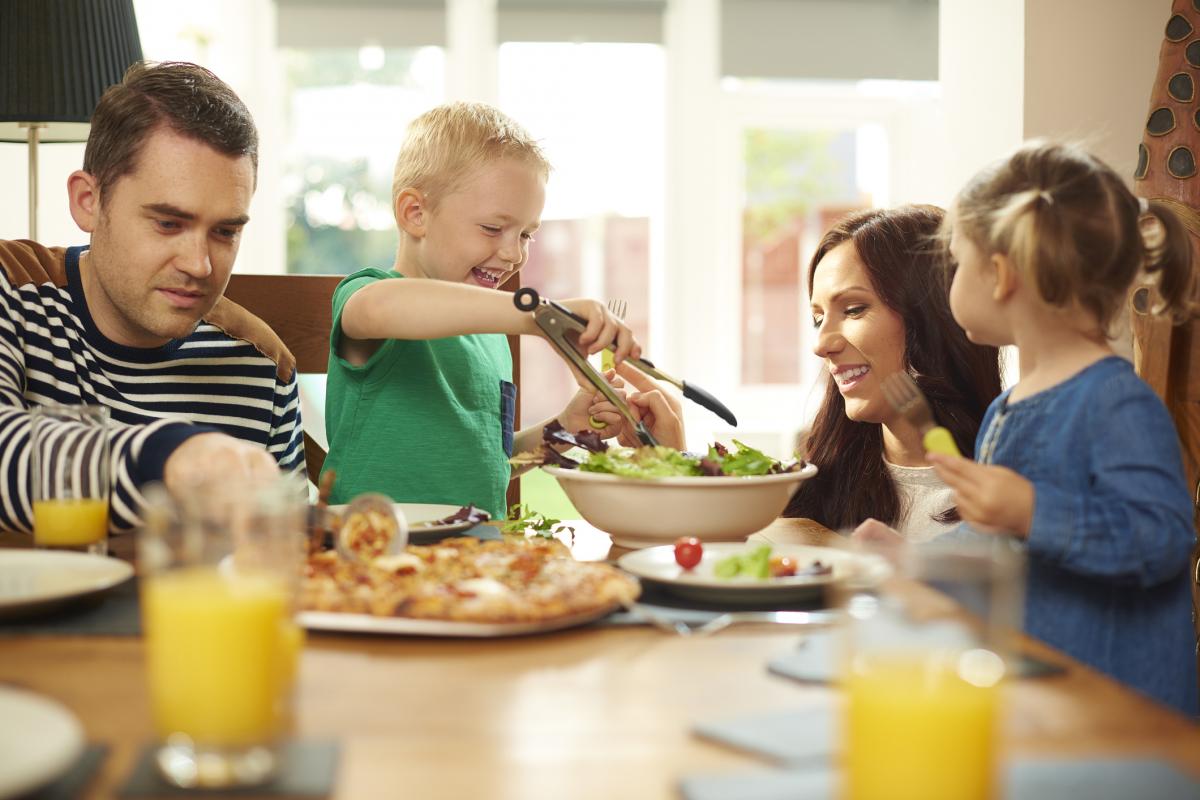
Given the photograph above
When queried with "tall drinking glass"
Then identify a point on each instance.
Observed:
(70, 464)
(924, 674)
(220, 568)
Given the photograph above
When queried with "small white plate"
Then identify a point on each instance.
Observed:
(657, 565)
(34, 581)
(421, 519)
(39, 741)
(407, 626)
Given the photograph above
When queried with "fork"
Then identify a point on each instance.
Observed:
(618, 309)
(723, 621)
(903, 394)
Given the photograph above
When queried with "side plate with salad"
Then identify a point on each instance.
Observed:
(744, 586)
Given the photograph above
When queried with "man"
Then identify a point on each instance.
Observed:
(197, 387)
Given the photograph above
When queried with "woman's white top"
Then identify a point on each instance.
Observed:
(923, 496)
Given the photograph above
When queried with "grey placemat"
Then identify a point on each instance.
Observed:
(71, 784)
(1040, 779)
(814, 661)
(111, 613)
(308, 769)
(788, 737)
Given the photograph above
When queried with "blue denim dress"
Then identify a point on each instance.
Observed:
(1112, 526)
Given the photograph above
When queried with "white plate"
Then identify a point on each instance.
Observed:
(657, 565)
(39, 740)
(407, 626)
(33, 581)
(421, 518)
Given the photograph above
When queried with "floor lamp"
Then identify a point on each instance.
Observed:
(56, 58)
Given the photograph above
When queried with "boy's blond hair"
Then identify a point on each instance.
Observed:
(447, 142)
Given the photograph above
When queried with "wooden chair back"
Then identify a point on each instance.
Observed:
(1168, 358)
(299, 308)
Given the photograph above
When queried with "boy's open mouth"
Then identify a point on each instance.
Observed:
(490, 279)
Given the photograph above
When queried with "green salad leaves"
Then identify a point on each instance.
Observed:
(754, 563)
(521, 518)
(666, 462)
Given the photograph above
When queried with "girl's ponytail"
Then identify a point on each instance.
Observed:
(1168, 252)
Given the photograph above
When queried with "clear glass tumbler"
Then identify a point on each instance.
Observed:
(220, 568)
(924, 671)
(70, 465)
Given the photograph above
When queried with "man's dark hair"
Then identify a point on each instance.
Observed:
(185, 98)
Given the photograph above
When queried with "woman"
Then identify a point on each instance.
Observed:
(880, 305)
(879, 302)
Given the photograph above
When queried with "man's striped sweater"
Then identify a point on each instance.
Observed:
(232, 374)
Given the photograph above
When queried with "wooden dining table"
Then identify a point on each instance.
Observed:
(593, 712)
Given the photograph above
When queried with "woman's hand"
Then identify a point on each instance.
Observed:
(876, 534)
(992, 499)
(656, 408)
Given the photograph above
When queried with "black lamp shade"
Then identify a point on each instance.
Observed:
(57, 57)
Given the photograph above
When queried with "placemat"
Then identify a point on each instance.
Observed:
(1025, 779)
(788, 737)
(308, 769)
(71, 784)
(815, 659)
(111, 613)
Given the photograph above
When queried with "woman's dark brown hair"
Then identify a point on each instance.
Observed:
(900, 249)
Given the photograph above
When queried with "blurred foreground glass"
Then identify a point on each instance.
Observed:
(70, 477)
(220, 568)
(923, 673)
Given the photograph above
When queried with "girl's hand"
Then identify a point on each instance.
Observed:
(657, 409)
(603, 330)
(991, 498)
(589, 409)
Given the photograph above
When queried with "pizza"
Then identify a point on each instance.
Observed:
(464, 579)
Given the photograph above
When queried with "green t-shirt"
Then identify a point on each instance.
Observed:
(423, 421)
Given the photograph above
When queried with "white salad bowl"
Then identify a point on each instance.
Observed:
(644, 512)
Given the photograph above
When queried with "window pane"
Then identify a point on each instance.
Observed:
(348, 109)
(597, 109)
(797, 184)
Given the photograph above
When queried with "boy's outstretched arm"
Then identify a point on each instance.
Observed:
(416, 308)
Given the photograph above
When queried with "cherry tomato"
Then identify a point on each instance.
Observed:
(782, 567)
(688, 551)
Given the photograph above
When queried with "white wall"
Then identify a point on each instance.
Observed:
(1089, 66)
(981, 67)
(1013, 70)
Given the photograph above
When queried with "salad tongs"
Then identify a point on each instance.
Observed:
(556, 321)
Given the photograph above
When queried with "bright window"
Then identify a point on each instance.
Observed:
(347, 111)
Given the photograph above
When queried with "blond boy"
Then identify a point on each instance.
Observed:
(420, 402)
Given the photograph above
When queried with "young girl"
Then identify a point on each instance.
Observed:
(1079, 459)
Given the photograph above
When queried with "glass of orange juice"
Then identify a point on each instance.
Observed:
(70, 463)
(924, 672)
(220, 567)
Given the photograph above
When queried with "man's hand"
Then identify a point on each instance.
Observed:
(218, 457)
(991, 498)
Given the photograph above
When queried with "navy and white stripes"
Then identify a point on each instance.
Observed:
(50, 352)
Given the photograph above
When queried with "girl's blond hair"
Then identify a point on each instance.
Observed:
(1069, 224)
(445, 143)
